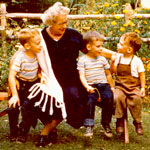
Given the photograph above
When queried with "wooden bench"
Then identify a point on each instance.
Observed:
(3, 96)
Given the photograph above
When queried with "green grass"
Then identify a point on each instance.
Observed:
(73, 139)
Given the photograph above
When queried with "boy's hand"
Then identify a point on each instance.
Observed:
(14, 100)
(142, 92)
(44, 79)
(90, 89)
(112, 88)
(113, 58)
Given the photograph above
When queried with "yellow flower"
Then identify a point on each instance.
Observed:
(149, 27)
(140, 5)
(146, 8)
(137, 31)
(139, 17)
(117, 17)
(86, 13)
(125, 11)
(122, 29)
(96, 12)
(106, 5)
(125, 25)
(130, 23)
(86, 28)
(145, 22)
(113, 23)
(148, 66)
(115, 5)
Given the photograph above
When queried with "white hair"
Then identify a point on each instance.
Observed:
(52, 12)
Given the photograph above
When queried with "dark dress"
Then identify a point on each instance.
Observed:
(63, 55)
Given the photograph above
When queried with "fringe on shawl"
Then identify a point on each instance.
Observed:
(35, 90)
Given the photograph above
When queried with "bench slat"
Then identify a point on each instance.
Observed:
(3, 96)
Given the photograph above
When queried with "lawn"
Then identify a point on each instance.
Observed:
(73, 139)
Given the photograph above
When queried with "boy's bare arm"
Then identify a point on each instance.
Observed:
(107, 53)
(109, 78)
(13, 84)
(113, 67)
(142, 81)
(90, 89)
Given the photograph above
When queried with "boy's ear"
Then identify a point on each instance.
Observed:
(88, 46)
(26, 46)
(130, 49)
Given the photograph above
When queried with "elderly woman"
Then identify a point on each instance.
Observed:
(60, 79)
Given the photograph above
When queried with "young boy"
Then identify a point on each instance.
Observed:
(96, 78)
(130, 76)
(23, 74)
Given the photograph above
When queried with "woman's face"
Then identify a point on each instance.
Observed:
(60, 24)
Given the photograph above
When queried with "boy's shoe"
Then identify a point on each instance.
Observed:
(43, 141)
(120, 125)
(22, 138)
(108, 131)
(13, 138)
(22, 135)
(139, 128)
(88, 132)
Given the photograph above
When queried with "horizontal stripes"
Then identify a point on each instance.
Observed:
(94, 69)
(26, 68)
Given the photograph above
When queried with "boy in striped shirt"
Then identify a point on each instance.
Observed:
(23, 73)
(96, 78)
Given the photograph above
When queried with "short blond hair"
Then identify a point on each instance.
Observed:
(53, 12)
(133, 39)
(26, 34)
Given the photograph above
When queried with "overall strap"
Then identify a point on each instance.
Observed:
(131, 60)
(119, 59)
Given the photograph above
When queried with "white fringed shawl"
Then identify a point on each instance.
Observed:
(49, 84)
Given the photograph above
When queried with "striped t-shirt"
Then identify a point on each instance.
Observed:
(26, 68)
(94, 69)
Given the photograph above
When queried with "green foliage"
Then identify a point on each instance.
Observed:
(4, 61)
